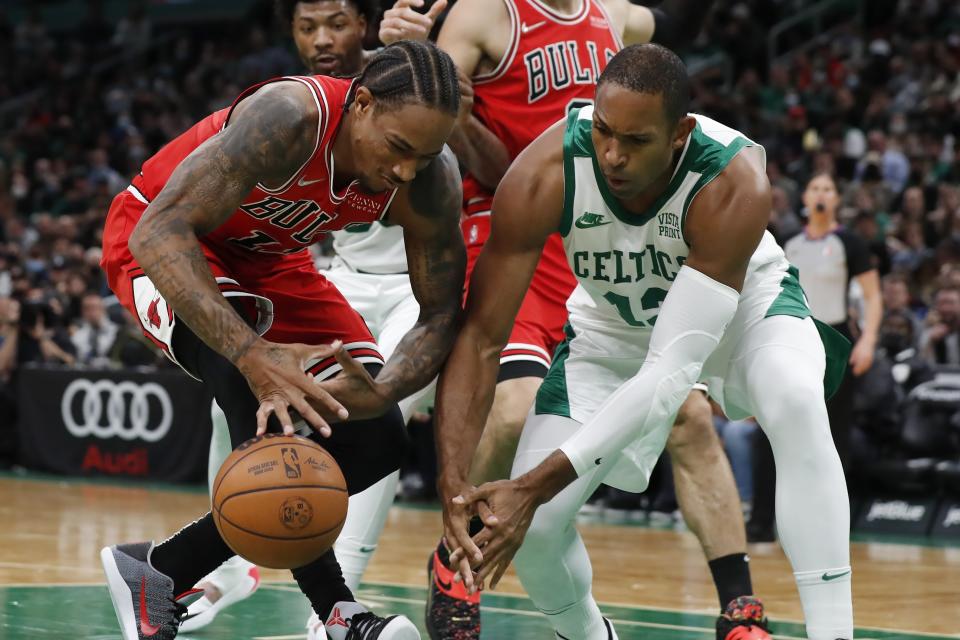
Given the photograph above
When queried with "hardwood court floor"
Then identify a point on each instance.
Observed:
(654, 583)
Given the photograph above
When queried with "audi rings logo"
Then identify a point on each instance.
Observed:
(108, 409)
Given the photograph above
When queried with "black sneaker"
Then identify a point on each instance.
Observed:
(452, 614)
(142, 597)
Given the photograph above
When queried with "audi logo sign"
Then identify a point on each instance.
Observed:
(107, 409)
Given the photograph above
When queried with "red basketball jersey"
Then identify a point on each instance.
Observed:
(552, 65)
(290, 218)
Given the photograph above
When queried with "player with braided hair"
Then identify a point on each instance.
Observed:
(370, 270)
(208, 247)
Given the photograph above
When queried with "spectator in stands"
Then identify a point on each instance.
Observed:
(9, 322)
(784, 222)
(95, 335)
(37, 340)
(893, 164)
(131, 348)
(895, 290)
(898, 342)
(941, 342)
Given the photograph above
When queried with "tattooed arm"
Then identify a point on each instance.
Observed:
(430, 216)
(428, 209)
(271, 134)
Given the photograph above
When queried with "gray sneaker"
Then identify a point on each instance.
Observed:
(142, 596)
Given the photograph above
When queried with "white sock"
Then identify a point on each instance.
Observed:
(825, 597)
(338, 622)
(366, 516)
(581, 621)
(220, 446)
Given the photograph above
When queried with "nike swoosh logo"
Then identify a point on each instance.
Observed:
(305, 183)
(826, 577)
(146, 628)
(527, 28)
(367, 549)
(595, 224)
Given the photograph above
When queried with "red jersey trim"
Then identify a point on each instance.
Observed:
(561, 17)
(610, 25)
(507, 61)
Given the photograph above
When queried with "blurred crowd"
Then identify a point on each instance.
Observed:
(876, 104)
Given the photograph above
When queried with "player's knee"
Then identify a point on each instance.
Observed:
(693, 430)
(511, 404)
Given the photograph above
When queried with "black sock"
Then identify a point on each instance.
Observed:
(191, 553)
(322, 582)
(476, 524)
(731, 575)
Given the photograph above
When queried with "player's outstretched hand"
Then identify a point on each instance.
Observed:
(456, 536)
(355, 389)
(403, 22)
(276, 375)
(506, 508)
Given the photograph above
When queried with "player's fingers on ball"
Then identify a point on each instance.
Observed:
(280, 409)
(262, 414)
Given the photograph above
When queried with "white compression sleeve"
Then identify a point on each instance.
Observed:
(693, 317)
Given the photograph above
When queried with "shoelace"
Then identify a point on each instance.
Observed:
(363, 623)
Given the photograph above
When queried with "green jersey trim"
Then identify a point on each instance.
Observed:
(552, 397)
(716, 166)
(701, 154)
(793, 302)
(569, 176)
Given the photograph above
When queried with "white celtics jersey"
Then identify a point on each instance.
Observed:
(371, 248)
(626, 261)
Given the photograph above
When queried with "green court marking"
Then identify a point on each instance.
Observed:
(279, 612)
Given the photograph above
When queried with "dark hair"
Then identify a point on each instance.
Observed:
(410, 71)
(652, 69)
(285, 9)
(828, 176)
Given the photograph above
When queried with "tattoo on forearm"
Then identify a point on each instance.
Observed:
(437, 266)
(271, 139)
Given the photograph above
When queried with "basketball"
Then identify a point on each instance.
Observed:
(279, 501)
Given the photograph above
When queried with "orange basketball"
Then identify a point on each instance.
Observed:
(279, 501)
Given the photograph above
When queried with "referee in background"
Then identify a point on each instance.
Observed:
(829, 257)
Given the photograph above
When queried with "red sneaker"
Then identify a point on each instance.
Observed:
(743, 619)
(451, 613)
